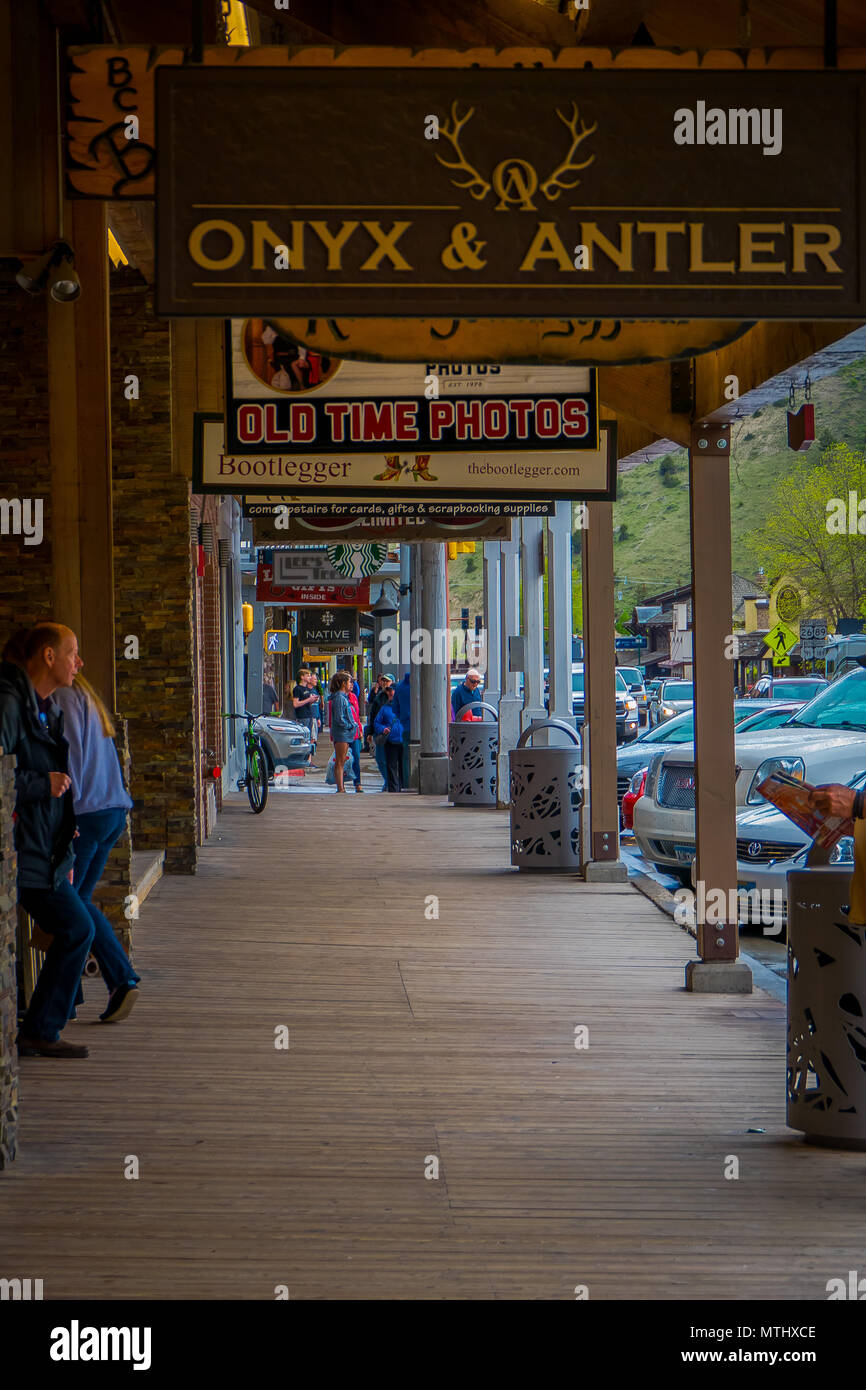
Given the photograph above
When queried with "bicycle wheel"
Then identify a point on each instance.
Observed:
(257, 779)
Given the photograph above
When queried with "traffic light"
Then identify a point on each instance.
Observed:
(452, 550)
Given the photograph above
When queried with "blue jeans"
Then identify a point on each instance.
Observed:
(62, 914)
(98, 832)
(379, 755)
(355, 751)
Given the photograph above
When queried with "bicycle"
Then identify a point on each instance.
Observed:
(256, 774)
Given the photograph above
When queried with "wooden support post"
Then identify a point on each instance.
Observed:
(600, 857)
(93, 390)
(717, 970)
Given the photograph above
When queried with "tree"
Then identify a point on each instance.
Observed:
(806, 532)
(668, 471)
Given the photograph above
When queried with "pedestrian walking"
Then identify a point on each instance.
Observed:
(403, 708)
(342, 724)
(35, 663)
(355, 749)
(101, 803)
(304, 702)
(390, 731)
(374, 704)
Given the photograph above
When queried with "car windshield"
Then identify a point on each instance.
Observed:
(631, 675)
(839, 706)
(797, 690)
(577, 683)
(767, 719)
(681, 729)
(678, 690)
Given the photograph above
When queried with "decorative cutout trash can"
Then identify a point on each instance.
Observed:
(546, 797)
(473, 746)
(826, 1067)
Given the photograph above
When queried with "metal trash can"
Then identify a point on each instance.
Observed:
(473, 746)
(546, 797)
(826, 1063)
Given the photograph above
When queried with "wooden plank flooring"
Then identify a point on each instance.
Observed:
(408, 1038)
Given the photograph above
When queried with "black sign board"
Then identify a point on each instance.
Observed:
(323, 626)
(510, 191)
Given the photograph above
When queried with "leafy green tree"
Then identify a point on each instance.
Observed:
(806, 532)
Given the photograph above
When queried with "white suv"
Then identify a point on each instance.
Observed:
(823, 742)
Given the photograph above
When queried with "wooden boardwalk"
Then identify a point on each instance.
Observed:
(413, 1037)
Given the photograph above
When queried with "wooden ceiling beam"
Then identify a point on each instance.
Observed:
(451, 23)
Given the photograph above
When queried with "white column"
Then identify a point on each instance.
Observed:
(510, 703)
(560, 619)
(414, 671)
(532, 585)
(405, 620)
(492, 626)
(433, 759)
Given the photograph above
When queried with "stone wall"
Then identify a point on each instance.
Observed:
(8, 986)
(153, 584)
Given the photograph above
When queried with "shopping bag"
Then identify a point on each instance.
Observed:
(330, 773)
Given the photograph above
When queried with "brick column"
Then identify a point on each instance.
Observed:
(8, 986)
(153, 584)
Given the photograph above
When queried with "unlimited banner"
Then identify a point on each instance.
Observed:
(525, 191)
(513, 476)
(271, 529)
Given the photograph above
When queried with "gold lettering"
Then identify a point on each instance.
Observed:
(197, 236)
(697, 264)
(749, 247)
(386, 246)
(546, 235)
(802, 248)
(334, 242)
(661, 231)
(620, 255)
(263, 235)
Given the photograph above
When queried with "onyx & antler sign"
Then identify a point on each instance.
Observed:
(508, 192)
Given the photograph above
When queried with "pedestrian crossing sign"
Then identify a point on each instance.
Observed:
(780, 640)
(278, 640)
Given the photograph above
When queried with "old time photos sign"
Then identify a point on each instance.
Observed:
(302, 421)
(510, 192)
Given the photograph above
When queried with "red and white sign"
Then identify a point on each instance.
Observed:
(310, 595)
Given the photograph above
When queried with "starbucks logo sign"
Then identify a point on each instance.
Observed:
(357, 561)
(789, 604)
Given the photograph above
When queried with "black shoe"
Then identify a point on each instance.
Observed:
(40, 1047)
(120, 1003)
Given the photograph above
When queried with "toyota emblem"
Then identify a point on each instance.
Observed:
(754, 849)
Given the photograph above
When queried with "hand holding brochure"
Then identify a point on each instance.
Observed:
(794, 799)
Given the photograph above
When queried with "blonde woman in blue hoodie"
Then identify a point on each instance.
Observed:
(101, 804)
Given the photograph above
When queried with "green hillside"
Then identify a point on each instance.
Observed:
(651, 515)
(654, 548)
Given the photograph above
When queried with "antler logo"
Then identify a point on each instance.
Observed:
(515, 181)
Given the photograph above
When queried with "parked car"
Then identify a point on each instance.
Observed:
(633, 677)
(800, 688)
(635, 756)
(774, 713)
(825, 741)
(768, 846)
(671, 697)
(626, 704)
(286, 742)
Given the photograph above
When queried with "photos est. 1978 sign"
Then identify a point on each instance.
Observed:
(304, 422)
(509, 192)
